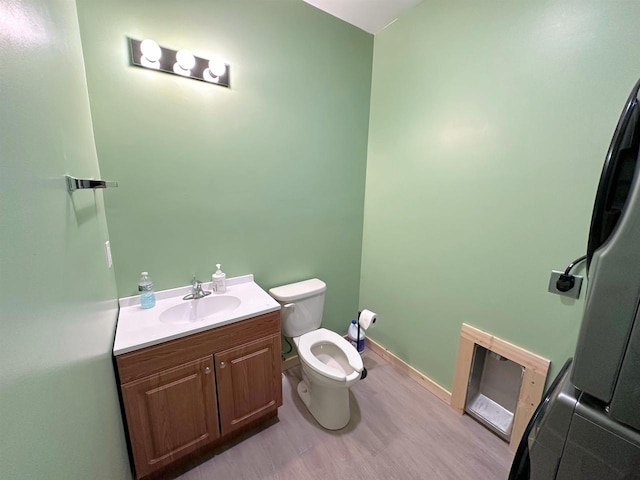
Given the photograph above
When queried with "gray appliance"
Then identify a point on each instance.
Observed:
(588, 425)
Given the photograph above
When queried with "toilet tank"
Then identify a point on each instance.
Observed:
(302, 306)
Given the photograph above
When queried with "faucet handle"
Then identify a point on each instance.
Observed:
(196, 290)
(196, 286)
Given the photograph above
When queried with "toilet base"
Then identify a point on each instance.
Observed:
(328, 405)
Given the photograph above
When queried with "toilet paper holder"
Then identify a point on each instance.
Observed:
(367, 318)
(369, 321)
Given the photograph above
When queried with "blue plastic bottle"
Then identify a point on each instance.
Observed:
(145, 287)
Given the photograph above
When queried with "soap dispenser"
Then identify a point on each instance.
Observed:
(219, 280)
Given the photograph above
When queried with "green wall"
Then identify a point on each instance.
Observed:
(488, 130)
(486, 135)
(59, 411)
(266, 177)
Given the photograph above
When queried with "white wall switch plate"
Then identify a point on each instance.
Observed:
(107, 250)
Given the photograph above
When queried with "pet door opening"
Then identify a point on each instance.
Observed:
(492, 394)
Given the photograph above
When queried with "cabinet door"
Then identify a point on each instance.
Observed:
(249, 381)
(171, 414)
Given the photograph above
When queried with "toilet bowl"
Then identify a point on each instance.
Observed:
(330, 364)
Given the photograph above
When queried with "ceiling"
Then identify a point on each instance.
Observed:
(370, 15)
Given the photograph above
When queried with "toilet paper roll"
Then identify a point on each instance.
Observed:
(367, 318)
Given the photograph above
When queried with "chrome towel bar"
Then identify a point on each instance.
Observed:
(74, 183)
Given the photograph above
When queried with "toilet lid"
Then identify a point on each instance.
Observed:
(322, 335)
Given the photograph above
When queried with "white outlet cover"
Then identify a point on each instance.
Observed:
(573, 293)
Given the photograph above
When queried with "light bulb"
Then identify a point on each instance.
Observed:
(217, 66)
(185, 59)
(150, 50)
(209, 77)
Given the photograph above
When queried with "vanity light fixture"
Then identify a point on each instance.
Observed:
(148, 54)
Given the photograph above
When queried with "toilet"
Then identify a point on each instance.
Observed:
(330, 364)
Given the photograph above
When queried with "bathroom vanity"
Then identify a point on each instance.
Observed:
(199, 378)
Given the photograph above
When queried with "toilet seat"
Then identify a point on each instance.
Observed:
(323, 336)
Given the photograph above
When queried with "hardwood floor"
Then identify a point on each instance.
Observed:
(398, 430)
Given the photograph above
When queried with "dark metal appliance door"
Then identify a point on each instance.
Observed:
(613, 263)
(617, 175)
(540, 450)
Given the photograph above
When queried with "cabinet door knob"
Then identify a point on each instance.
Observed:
(222, 364)
(207, 370)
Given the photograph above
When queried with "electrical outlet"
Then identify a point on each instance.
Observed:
(107, 250)
(573, 293)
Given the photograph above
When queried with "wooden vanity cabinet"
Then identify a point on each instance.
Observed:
(185, 394)
(171, 413)
(249, 382)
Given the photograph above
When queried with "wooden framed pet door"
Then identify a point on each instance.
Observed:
(498, 383)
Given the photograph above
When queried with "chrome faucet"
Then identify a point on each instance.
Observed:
(196, 291)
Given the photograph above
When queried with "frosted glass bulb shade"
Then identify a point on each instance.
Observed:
(150, 50)
(209, 77)
(185, 59)
(217, 66)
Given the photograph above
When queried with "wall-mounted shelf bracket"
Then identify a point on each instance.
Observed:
(74, 183)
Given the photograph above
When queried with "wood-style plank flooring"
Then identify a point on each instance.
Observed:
(397, 430)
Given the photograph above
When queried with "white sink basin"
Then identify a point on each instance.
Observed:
(174, 318)
(200, 309)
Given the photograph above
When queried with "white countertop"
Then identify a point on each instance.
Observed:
(138, 328)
